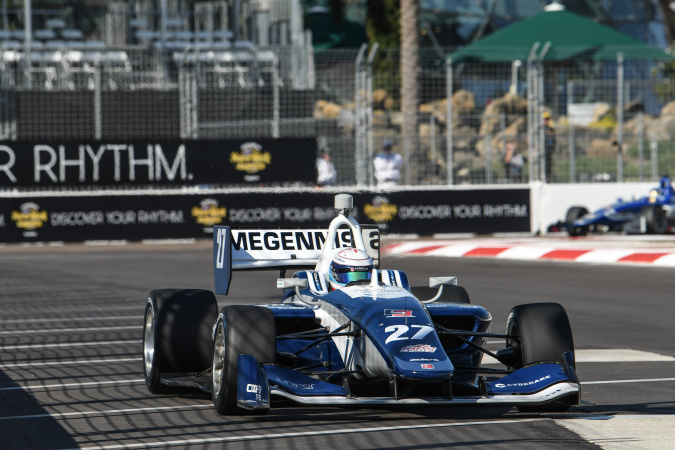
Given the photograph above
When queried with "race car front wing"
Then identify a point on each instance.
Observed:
(534, 385)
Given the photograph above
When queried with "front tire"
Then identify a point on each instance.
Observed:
(542, 333)
(177, 333)
(575, 213)
(239, 329)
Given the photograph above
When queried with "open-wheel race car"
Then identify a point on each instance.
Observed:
(349, 333)
(651, 214)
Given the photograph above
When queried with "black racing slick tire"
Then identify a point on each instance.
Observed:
(177, 334)
(656, 219)
(541, 333)
(239, 329)
(450, 294)
(574, 213)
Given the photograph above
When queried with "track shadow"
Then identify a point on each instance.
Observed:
(25, 424)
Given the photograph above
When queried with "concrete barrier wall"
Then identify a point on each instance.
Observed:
(170, 214)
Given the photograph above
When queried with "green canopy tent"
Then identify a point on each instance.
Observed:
(570, 36)
(329, 34)
(559, 40)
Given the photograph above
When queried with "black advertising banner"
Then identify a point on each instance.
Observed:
(479, 211)
(162, 163)
(156, 215)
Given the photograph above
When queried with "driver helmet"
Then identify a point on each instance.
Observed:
(349, 264)
(665, 182)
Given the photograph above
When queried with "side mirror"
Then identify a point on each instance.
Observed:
(297, 283)
(289, 283)
(442, 281)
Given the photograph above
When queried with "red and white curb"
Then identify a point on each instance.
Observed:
(534, 251)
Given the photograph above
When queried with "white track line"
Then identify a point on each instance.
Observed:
(108, 412)
(79, 309)
(613, 355)
(67, 345)
(69, 319)
(71, 385)
(71, 330)
(300, 434)
(70, 363)
(646, 380)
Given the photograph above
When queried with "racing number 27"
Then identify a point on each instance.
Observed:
(398, 332)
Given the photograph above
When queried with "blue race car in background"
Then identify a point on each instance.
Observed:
(370, 341)
(651, 214)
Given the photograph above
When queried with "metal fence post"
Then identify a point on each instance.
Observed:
(432, 137)
(449, 120)
(532, 111)
(502, 130)
(540, 123)
(654, 156)
(570, 130)
(488, 159)
(619, 117)
(641, 145)
(187, 92)
(97, 102)
(539, 118)
(370, 149)
(359, 113)
(276, 100)
(573, 160)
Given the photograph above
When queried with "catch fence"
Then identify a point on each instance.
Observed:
(613, 120)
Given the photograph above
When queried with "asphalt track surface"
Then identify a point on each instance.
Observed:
(71, 372)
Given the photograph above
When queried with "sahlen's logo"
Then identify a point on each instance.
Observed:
(29, 217)
(250, 158)
(380, 210)
(208, 213)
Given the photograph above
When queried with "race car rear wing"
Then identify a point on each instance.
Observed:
(268, 249)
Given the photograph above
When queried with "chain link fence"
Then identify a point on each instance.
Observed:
(612, 120)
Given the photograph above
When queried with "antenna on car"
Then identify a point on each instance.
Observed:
(344, 202)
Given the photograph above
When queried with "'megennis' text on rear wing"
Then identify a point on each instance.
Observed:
(267, 249)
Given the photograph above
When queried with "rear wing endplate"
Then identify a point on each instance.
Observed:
(267, 249)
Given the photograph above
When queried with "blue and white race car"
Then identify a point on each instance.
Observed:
(349, 333)
(651, 214)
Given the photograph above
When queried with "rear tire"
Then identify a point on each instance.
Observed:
(544, 334)
(656, 218)
(177, 333)
(239, 329)
(575, 213)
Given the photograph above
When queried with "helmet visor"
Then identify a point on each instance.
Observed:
(348, 275)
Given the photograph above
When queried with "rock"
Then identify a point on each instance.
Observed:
(507, 106)
(668, 109)
(438, 108)
(326, 110)
(463, 102)
(600, 112)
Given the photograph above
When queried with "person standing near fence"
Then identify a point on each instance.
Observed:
(326, 173)
(387, 166)
(513, 162)
(549, 145)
